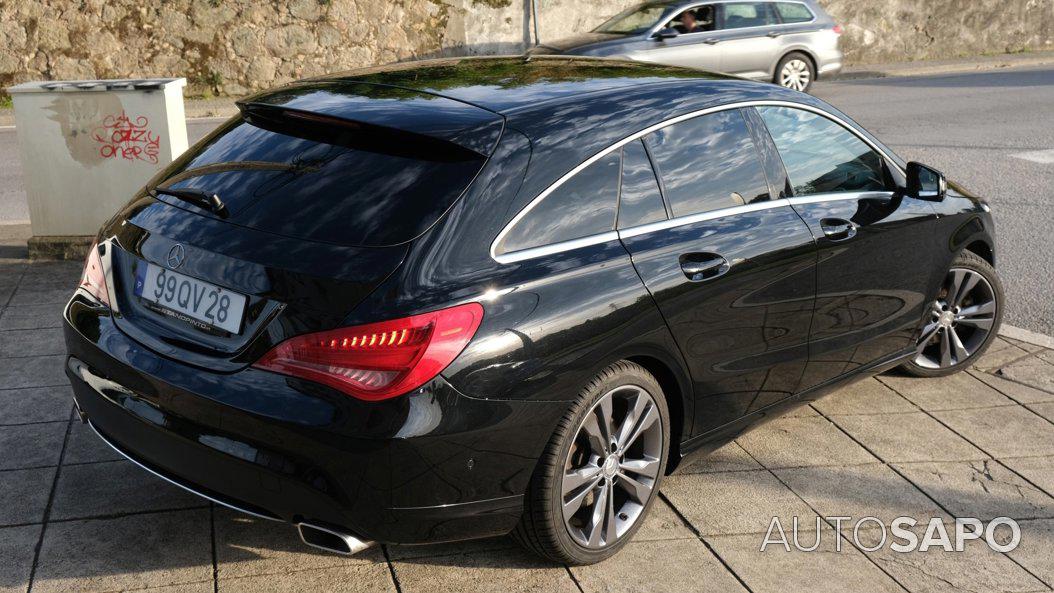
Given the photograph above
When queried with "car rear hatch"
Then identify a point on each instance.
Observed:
(284, 218)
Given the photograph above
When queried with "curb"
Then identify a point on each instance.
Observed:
(1023, 335)
(906, 69)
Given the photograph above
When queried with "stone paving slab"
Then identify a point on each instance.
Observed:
(130, 552)
(825, 569)
(35, 404)
(82, 519)
(907, 437)
(976, 568)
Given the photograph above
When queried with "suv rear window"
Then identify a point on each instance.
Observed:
(346, 188)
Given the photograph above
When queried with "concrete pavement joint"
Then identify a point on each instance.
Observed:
(391, 569)
(51, 500)
(702, 539)
(821, 515)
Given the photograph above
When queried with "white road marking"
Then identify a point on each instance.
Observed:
(1043, 157)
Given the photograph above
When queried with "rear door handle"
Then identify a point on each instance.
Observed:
(711, 41)
(838, 229)
(773, 34)
(699, 267)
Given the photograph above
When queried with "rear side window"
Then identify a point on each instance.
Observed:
(820, 155)
(640, 200)
(792, 12)
(584, 205)
(739, 15)
(340, 190)
(708, 162)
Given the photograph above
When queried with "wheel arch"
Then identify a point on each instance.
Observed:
(800, 50)
(676, 395)
(982, 249)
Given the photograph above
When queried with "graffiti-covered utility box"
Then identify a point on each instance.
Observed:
(88, 145)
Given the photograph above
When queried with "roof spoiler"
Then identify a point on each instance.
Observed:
(355, 134)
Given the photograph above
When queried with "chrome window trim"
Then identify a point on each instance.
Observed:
(835, 196)
(524, 254)
(671, 223)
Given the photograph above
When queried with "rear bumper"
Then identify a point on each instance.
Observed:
(431, 466)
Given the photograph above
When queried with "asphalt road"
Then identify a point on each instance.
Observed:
(991, 131)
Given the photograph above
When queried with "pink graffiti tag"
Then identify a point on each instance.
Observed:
(123, 138)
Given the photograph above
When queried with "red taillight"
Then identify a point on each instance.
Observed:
(93, 279)
(838, 30)
(378, 360)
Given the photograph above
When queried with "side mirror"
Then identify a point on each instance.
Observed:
(926, 183)
(667, 33)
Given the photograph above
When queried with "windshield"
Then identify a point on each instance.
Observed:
(633, 21)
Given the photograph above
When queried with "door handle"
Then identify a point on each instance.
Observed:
(711, 41)
(773, 34)
(838, 229)
(699, 267)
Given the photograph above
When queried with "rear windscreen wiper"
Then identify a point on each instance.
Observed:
(197, 197)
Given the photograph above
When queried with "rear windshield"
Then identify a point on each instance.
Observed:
(335, 189)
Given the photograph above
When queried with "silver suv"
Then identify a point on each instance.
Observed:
(789, 42)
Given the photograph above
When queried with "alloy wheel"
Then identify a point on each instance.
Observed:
(612, 467)
(960, 320)
(795, 75)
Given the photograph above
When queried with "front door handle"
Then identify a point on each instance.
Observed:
(838, 229)
(699, 267)
(773, 34)
(711, 41)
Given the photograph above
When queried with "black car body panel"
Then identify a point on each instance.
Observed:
(790, 316)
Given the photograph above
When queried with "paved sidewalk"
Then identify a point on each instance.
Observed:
(75, 517)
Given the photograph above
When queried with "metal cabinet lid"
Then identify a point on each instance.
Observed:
(68, 86)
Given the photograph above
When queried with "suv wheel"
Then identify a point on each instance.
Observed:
(600, 471)
(962, 321)
(795, 71)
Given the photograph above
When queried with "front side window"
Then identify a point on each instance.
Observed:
(584, 205)
(792, 12)
(694, 20)
(820, 155)
(708, 163)
(739, 15)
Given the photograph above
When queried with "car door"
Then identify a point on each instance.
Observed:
(732, 270)
(699, 49)
(875, 250)
(749, 38)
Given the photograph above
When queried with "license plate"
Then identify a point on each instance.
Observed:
(200, 301)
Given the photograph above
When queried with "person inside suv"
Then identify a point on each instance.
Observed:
(694, 20)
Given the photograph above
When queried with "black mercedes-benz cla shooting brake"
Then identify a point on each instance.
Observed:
(469, 297)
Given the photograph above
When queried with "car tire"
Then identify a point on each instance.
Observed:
(543, 527)
(965, 314)
(795, 71)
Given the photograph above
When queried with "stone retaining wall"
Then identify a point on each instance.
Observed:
(234, 46)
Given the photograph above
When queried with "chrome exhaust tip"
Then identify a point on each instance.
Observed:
(327, 539)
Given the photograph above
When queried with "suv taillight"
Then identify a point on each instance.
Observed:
(93, 279)
(838, 30)
(378, 360)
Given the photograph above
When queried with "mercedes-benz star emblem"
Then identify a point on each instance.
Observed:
(176, 255)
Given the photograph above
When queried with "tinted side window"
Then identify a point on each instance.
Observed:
(708, 162)
(821, 156)
(793, 13)
(640, 201)
(584, 205)
(738, 15)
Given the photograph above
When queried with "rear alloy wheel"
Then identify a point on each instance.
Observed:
(795, 71)
(962, 321)
(601, 470)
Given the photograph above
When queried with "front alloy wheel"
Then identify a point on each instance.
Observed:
(962, 321)
(601, 469)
